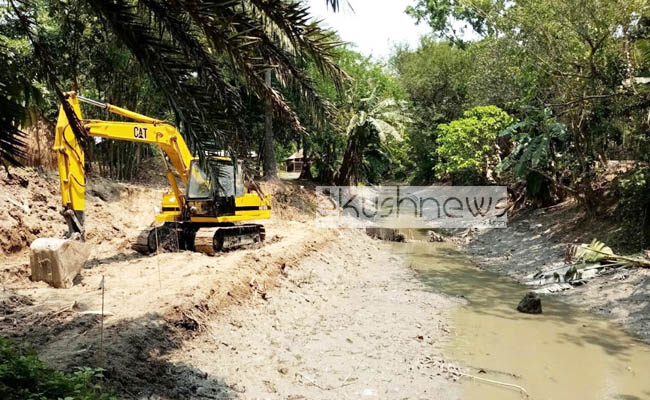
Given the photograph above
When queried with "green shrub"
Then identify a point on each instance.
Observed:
(467, 147)
(24, 377)
(540, 148)
(633, 195)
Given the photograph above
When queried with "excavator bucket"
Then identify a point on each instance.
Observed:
(57, 261)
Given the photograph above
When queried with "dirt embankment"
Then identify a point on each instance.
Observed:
(176, 322)
(30, 205)
(536, 241)
(153, 301)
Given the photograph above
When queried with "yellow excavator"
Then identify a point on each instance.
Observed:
(211, 214)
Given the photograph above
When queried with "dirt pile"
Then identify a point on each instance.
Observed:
(30, 206)
(292, 201)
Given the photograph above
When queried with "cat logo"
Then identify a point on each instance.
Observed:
(139, 133)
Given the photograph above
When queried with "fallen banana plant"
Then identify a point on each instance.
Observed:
(599, 252)
(581, 263)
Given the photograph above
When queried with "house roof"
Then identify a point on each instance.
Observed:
(297, 154)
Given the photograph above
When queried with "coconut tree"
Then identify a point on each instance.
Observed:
(201, 53)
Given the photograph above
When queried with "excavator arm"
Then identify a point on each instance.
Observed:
(70, 155)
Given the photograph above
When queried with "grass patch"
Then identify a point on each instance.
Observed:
(23, 376)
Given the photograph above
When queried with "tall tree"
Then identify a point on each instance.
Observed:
(374, 121)
(568, 59)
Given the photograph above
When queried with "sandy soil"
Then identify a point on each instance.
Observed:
(351, 321)
(537, 240)
(312, 314)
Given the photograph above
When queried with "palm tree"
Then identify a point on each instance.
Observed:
(374, 120)
(199, 53)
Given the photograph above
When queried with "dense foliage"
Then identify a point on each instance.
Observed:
(194, 63)
(467, 148)
(363, 141)
(24, 377)
(538, 95)
(570, 71)
(633, 195)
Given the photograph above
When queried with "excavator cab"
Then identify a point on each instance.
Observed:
(213, 187)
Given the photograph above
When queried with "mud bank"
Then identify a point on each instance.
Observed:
(536, 241)
(152, 303)
(350, 321)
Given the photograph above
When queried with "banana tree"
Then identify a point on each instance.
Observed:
(374, 121)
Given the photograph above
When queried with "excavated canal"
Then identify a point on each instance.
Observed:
(564, 353)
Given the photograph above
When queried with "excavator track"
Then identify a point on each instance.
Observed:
(213, 240)
(145, 243)
(152, 238)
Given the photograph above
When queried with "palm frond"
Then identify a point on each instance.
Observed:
(203, 118)
(383, 105)
(596, 251)
(334, 4)
(12, 144)
(352, 124)
(292, 21)
(235, 31)
(208, 68)
(385, 129)
(198, 52)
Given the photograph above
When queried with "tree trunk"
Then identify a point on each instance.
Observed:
(39, 161)
(306, 153)
(346, 174)
(270, 170)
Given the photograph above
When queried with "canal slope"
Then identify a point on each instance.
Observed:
(350, 321)
(536, 240)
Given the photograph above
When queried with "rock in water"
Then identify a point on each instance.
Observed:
(393, 235)
(530, 304)
(435, 237)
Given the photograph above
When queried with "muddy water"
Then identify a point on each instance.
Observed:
(564, 353)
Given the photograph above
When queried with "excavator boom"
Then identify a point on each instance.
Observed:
(70, 155)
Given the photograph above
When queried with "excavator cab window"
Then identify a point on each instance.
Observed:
(200, 185)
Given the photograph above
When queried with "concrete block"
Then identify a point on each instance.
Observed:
(57, 261)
